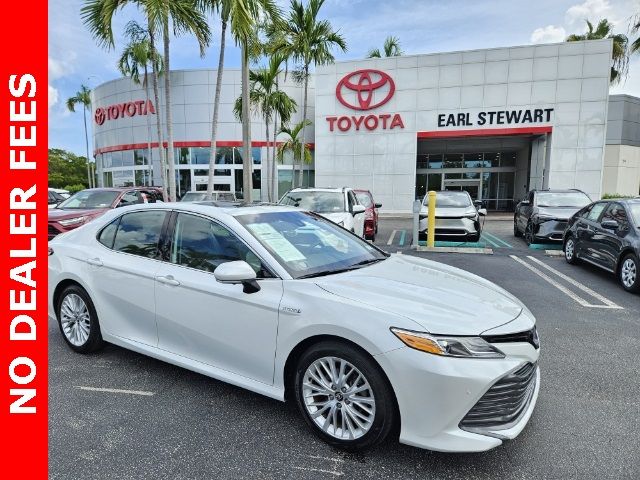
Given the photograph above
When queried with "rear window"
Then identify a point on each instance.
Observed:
(364, 199)
(315, 200)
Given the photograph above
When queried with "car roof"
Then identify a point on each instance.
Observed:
(319, 189)
(233, 209)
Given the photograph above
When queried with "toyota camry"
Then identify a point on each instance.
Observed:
(285, 303)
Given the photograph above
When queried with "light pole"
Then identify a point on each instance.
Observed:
(91, 170)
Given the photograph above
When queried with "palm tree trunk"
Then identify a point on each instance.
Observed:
(274, 168)
(156, 99)
(268, 163)
(86, 139)
(216, 108)
(247, 161)
(149, 154)
(167, 96)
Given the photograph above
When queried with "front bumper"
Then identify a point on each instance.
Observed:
(435, 393)
(447, 227)
(550, 230)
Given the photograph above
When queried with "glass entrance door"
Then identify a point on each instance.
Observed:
(470, 186)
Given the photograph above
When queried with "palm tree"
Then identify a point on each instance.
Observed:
(184, 16)
(136, 55)
(308, 40)
(635, 28)
(83, 96)
(391, 48)
(295, 145)
(266, 99)
(619, 57)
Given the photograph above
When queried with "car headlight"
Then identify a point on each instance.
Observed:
(470, 215)
(463, 347)
(541, 218)
(72, 221)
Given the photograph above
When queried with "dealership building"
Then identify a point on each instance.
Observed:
(494, 122)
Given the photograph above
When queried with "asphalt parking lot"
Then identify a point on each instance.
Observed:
(182, 425)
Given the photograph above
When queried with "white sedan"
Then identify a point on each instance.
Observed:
(287, 304)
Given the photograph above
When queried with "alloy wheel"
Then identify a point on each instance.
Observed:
(338, 398)
(75, 319)
(628, 273)
(569, 249)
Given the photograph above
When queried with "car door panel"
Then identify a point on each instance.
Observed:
(590, 236)
(607, 242)
(211, 322)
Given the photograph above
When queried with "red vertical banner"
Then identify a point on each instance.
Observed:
(23, 224)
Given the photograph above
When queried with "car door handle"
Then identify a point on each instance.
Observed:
(94, 261)
(168, 280)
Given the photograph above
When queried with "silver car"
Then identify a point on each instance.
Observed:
(457, 217)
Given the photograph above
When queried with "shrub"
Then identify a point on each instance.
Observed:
(74, 188)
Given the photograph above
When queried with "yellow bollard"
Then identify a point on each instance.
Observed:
(431, 220)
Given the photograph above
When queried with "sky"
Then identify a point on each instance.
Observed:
(423, 26)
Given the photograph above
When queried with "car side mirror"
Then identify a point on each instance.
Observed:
(237, 272)
(478, 203)
(482, 211)
(610, 224)
(358, 209)
(524, 203)
(377, 205)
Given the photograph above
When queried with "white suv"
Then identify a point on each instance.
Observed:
(339, 205)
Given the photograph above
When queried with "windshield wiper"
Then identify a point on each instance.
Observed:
(355, 266)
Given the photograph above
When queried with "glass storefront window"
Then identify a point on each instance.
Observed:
(508, 159)
(224, 156)
(182, 156)
(116, 159)
(142, 177)
(123, 178)
(222, 172)
(308, 178)
(201, 172)
(107, 160)
(127, 158)
(108, 179)
(452, 160)
(200, 155)
(140, 157)
(284, 181)
(473, 160)
(434, 161)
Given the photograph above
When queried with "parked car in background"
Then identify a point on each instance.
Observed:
(61, 191)
(365, 198)
(457, 217)
(285, 303)
(206, 197)
(339, 205)
(544, 214)
(55, 198)
(86, 205)
(607, 235)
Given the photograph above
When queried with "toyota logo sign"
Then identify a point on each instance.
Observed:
(365, 89)
(99, 115)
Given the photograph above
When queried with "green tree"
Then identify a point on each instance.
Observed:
(307, 41)
(134, 60)
(185, 16)
(66, 168)
(267, 100)
(295, 146)
(619, 56)
(391, 48)
(635, 28)
(83, 97)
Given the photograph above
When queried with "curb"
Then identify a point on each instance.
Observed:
(482, 251)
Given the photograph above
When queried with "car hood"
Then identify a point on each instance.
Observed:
(562, 213)
(56, 214)
(335, 217)
(450, 212)
(440, 298)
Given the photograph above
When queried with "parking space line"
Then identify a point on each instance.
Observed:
(392, 237)
(498, 239)
(488, 240)
(115, 390)
(578, 299)
(402, 235)
(574, 282)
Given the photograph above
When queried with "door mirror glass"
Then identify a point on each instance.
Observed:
(482, 211)
(610, 224)
(357, 209)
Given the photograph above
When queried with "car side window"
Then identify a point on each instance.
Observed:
(352, 200)
(108, 233)
(130, 198)
(616, 212)
(138, 233)
(531, 195)
(595, 212)
(203, 244)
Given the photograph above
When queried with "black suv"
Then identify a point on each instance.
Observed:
(607, 234)
(543, 216)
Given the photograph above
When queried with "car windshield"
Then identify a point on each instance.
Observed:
(450, 199)
(634, 208)
(90, 199)
(307, 245)
(562, 199)
(195, 197)
(364, 199)
(315, 201)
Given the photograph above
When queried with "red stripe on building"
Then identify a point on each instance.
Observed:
(193, 143)
(486, 132)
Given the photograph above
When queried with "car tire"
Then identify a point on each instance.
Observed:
(516, 230)
(78, 320)
(629, 273)
(374, 406)
(528, 234)
(570, 251)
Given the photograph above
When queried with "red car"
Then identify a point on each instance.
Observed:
(86, 205)
(371, 213)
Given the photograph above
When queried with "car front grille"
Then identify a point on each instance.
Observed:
(528, 336)
(504, 403)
